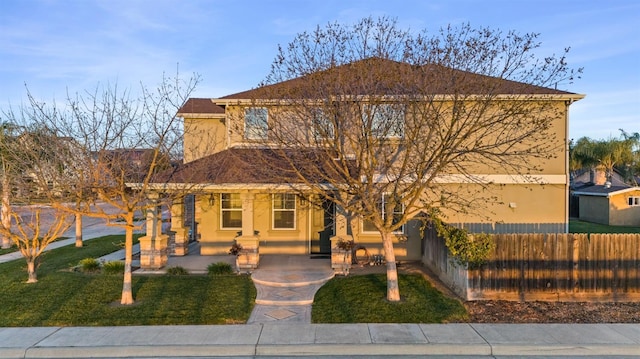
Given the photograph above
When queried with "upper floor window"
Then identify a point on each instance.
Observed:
(231, 211)
(634, 201)
(284, 210)
(383, 203)
(255, 123)
(384, 120)
(322, 125)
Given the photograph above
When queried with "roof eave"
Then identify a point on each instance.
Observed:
(609, 194)
(572, 97)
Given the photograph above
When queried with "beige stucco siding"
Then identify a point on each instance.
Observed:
(514, 204)
(620, 213)
(203, 137)
(594, 209)
(555, 110)
(215, 240)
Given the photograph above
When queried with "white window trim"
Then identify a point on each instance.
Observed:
(635, 201)
(398, 231)
(251, 135)
(274, 210)
(222, 210)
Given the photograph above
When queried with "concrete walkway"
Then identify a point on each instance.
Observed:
(286, 286)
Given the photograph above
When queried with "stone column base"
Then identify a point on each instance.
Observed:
(340, 258)
(153, 251)
(181, 241)
(249, 257)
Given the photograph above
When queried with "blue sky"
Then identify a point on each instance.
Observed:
(55, 46)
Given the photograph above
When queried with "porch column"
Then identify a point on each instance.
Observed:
(181, 236)
(248, 239)
(153, 246)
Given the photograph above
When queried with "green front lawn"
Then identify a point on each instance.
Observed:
(362, 299)
(63, 297)
(11, 249)
(578, 226)
(66, 298)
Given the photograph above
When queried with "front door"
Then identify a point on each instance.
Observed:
(323, 228)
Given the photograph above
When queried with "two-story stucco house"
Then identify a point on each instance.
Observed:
(237, 200)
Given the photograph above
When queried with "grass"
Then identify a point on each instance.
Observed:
(14, 248)
(362, 299)
(11, 249)
(67, 298)
(578, 226)
(63, 297)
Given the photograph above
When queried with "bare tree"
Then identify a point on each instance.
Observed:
(373, 118)
(32, 234)
(120, 142)
(9, 163)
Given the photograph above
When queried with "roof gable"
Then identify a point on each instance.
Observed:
(200, 105)
(247, 166)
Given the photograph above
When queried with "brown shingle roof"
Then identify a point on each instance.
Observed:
(387, 77)
(249, 166)
(200, 105)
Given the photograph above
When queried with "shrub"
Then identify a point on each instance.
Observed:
(219, 268)
(177, 271)
(89, 265)
(469, 250)
(113, 267)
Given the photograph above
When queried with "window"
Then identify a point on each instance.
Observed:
(284, 211)
(385, 120)
(367, 226)
(634, 201)
(322, 125)
(255, 123)
(231, 211)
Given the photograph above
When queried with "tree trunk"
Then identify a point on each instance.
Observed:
(4, 213)
(31, 269)
(127, 294)
(78, 230)
(393, 290)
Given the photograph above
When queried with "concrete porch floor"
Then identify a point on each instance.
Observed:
(270, 264)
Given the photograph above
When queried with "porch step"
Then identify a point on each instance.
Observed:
(286, 279)
(288, 288)
(281, 296)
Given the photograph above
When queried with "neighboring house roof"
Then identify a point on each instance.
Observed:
(200, 105)
(249, 166)
(595, 176)
(427, 79)
(603, 190)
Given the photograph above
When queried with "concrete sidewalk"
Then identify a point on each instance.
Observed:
(313, 340)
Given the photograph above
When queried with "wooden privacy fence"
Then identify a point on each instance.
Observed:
(567, 267)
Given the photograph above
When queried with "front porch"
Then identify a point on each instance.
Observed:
(315, 230)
